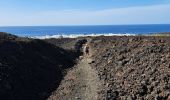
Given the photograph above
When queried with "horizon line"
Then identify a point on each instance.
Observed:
(79, 25)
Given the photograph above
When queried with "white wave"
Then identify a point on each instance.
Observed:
(81, 35)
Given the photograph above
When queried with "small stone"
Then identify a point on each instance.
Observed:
(155, 83)
(131, 40)
(77, 98)
(162, 41)
(154, 70)
(120, 63)
(129, 98)
(144, 82)
(168, 98)
(168, 56)
(120, 58)
(168, 65)
(157, 97)
(91, 62)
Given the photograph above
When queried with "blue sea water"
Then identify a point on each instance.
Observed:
(30, 31)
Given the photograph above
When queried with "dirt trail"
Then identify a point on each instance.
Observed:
(80, 83)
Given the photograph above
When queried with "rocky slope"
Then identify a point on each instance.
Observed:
(132, 68)
(31, 69)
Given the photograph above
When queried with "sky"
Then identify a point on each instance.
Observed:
(83, 12)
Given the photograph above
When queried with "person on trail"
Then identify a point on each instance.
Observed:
(86, 51)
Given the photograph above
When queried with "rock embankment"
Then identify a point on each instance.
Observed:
(133, 68)
(31, 69)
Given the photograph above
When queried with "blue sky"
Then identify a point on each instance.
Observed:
(84, 12)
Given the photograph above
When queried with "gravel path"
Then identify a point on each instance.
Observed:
(80, 83)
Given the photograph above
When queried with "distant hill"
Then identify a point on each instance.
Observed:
(7, 36)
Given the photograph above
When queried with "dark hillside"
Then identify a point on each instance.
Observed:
(30, 70)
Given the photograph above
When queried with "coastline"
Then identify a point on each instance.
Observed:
(97, 35)
(80, 35)
(45, 32)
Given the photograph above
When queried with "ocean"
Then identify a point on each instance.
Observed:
(73, 31)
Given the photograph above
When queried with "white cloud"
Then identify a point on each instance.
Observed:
(133, 15)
